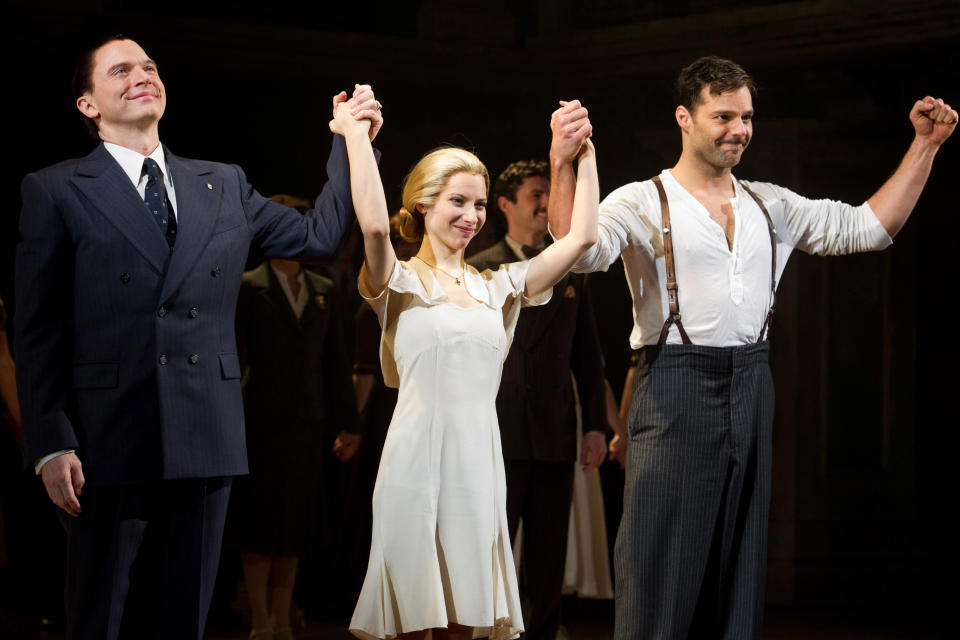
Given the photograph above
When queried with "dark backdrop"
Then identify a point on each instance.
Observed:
(863, 351)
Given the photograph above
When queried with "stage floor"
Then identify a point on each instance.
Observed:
(593, 620)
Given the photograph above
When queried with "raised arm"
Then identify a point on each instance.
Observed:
(570, 127)
(552, 263)
(933, 122)
(368, 200)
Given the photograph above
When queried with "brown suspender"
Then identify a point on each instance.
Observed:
(773, 263)
(673, 317)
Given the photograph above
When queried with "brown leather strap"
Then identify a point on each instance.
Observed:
(773, 263)
(673, 317)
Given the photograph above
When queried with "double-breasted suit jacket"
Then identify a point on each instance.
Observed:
(126, 348)
(535, 405)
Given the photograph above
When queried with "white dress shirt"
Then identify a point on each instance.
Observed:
(724, 293)
(132, 164)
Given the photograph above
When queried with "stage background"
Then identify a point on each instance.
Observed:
(866, 438)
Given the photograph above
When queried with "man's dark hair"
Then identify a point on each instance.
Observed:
(719, 74)
(83, 76)
(513, 176)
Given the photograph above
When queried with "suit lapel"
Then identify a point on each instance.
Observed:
(104, 184)
(504, 254)
(199, 192)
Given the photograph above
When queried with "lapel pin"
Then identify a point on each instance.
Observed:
(209, 186)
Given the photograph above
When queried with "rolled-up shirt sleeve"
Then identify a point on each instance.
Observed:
(823, 227)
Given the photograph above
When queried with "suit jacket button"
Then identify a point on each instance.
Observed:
(163, 358)
(194, 359)
(124, 277)
(194, 312)
(162, 311)
(215, 272)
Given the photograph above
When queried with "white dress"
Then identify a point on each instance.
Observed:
(440, 550)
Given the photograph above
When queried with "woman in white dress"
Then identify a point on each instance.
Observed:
(440, 563)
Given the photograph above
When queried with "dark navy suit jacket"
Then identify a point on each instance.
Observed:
(125, 349)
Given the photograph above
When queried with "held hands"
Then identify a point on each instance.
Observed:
(63, 478)
(618, 450)
(933, 120)
(360, 112)
(571, 131)
(587, 150)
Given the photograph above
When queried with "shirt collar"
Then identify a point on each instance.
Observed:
(667, 177)
(518, 247)
(282, 277)
(132, 161)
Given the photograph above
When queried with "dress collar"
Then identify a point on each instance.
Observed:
(472, 282)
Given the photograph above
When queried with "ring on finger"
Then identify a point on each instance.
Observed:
(379, 106)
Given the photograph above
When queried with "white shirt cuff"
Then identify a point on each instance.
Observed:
(45, 459)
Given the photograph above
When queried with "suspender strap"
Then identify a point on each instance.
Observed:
(773, 263)
(674, 316)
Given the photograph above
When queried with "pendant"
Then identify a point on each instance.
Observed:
(457, 280)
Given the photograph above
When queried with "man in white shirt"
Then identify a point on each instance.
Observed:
(127, 277)
(702, 253)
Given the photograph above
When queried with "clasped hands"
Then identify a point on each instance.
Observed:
(361, 112)
(571, 130)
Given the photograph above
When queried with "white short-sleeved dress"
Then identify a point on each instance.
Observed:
(440, 550)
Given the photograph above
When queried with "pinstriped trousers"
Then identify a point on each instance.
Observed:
(691, 551)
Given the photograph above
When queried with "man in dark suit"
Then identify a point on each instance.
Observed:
(535, 404)
(127, 279)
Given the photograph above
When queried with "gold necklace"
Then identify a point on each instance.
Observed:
(433, 266)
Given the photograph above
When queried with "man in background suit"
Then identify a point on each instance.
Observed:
(127, 278)
(535, 404)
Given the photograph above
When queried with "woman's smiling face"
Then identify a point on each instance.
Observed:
(459, 212)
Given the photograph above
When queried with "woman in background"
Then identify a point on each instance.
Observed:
(298, 398)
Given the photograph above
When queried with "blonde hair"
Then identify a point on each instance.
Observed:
(427, 179)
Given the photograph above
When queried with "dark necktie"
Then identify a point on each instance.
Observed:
(530, 252)
(155, 198)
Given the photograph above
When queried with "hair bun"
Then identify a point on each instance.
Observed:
(411, 226)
